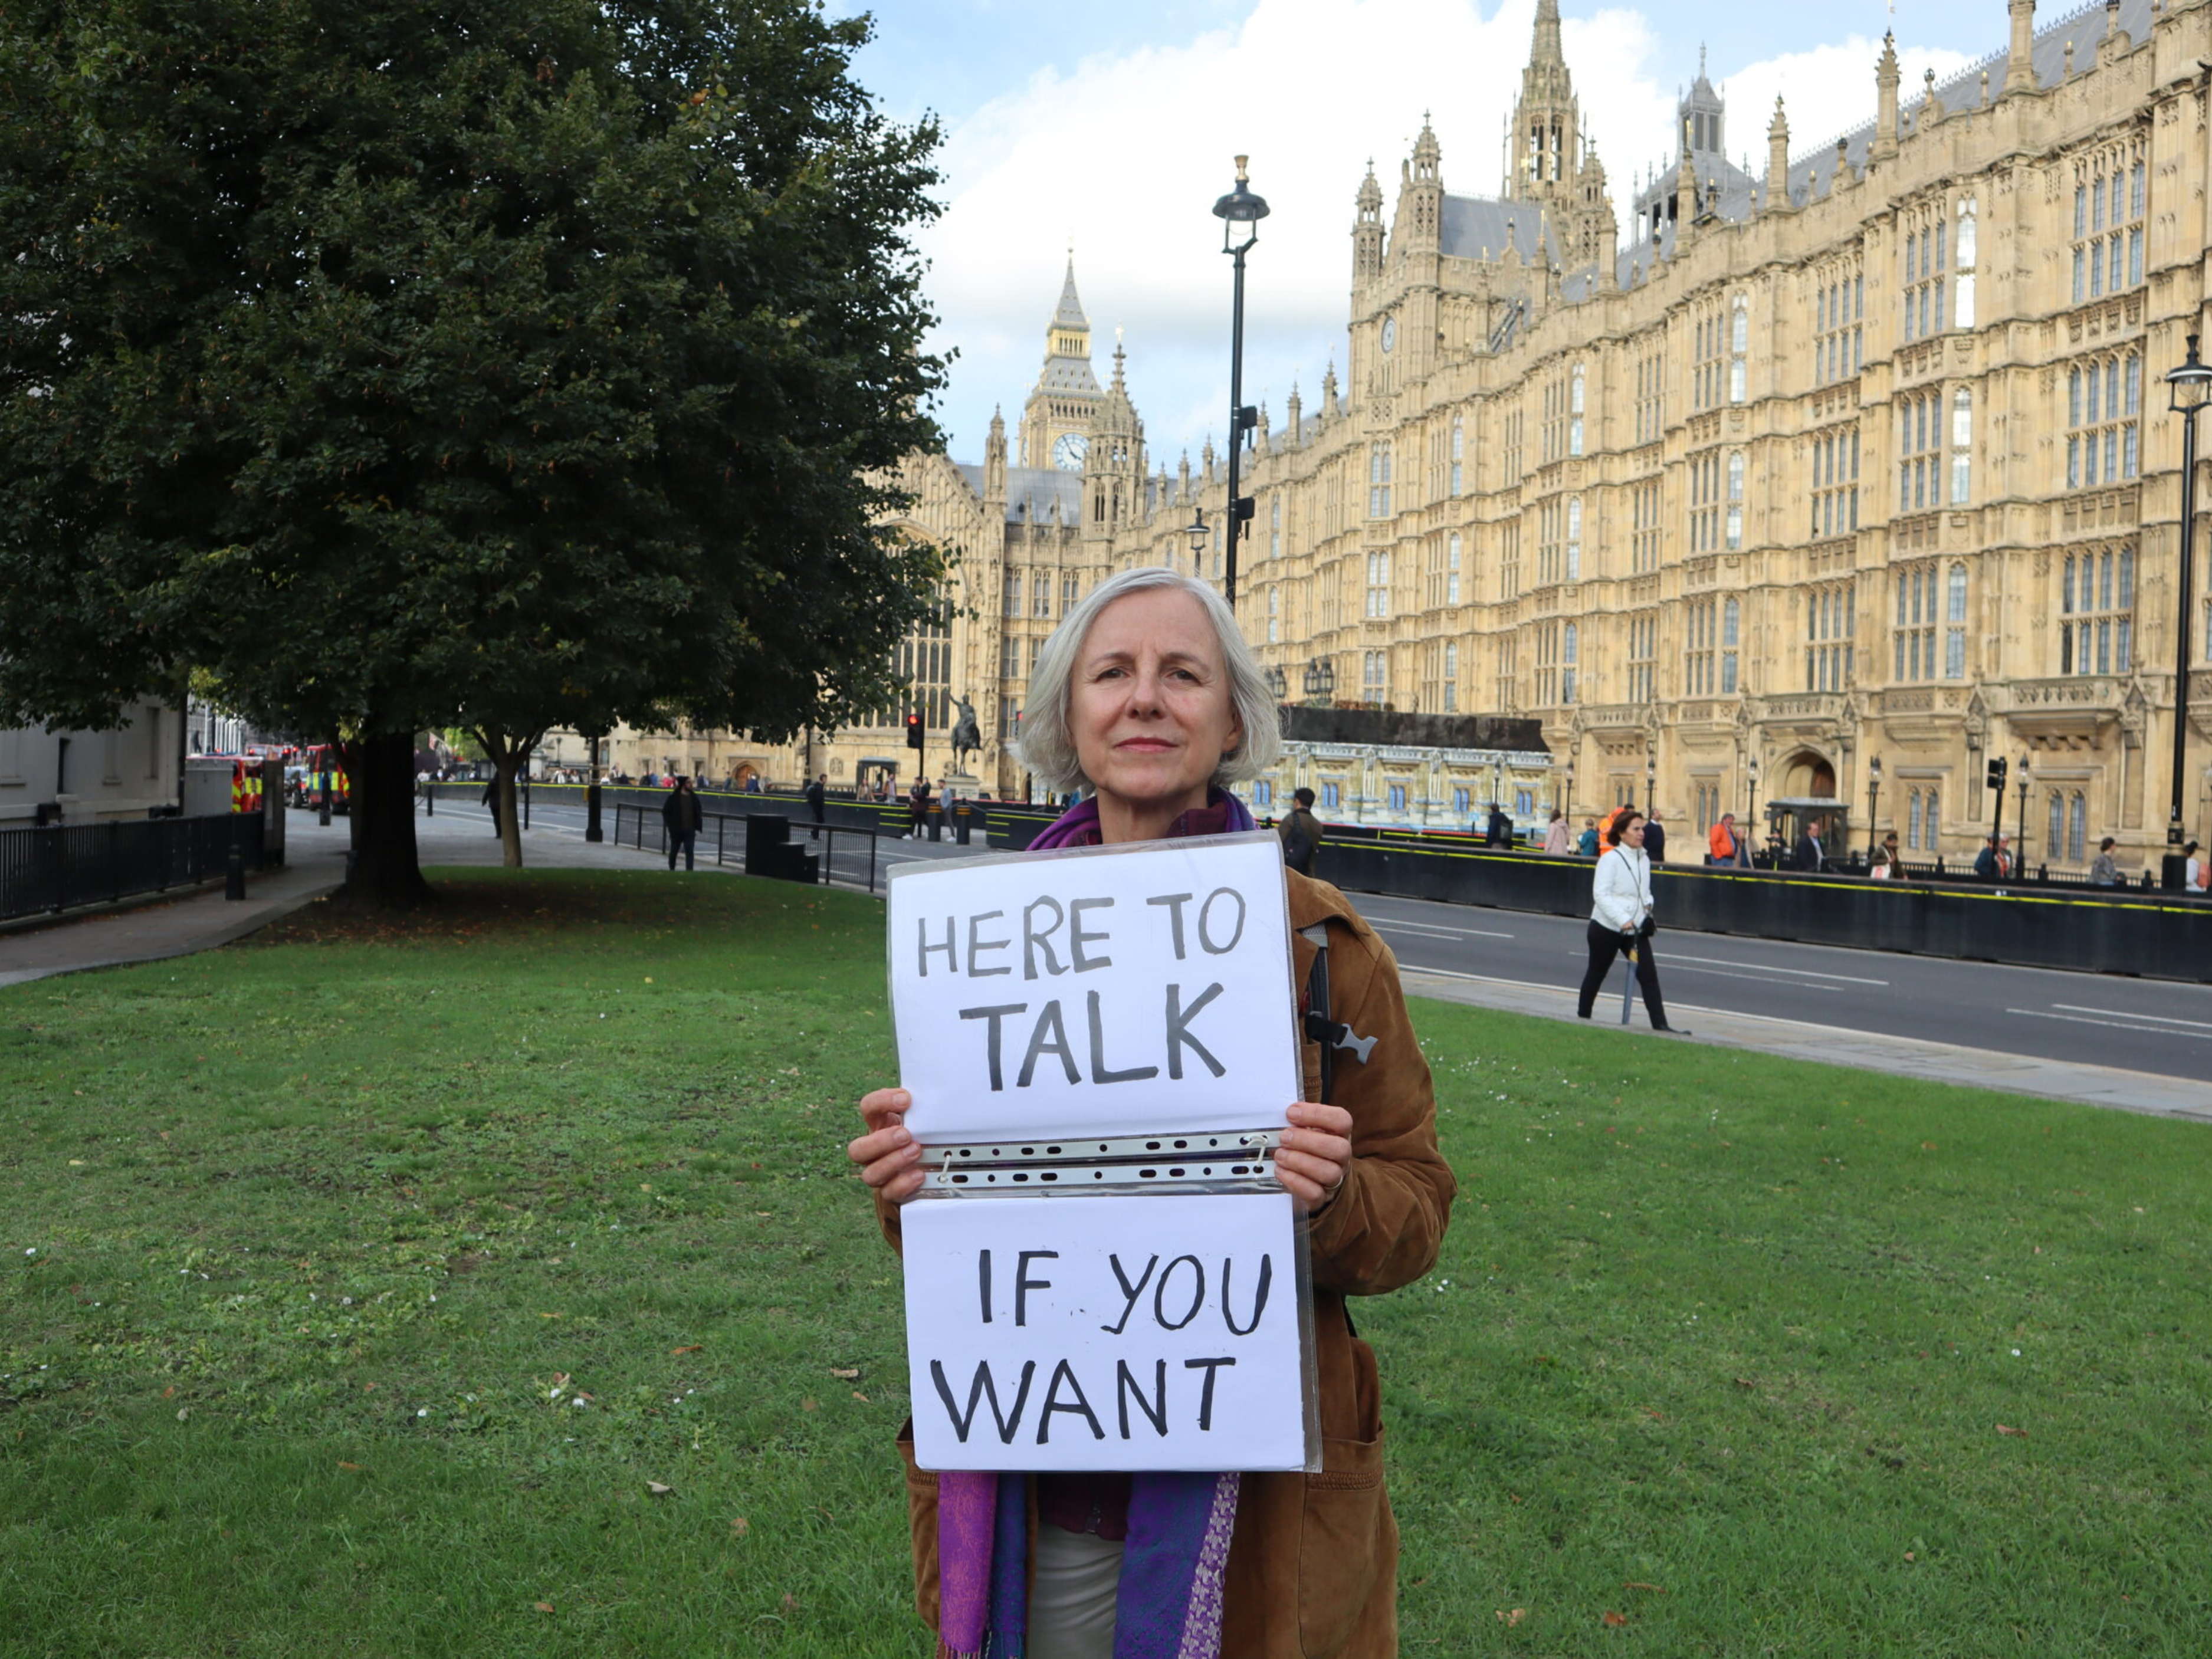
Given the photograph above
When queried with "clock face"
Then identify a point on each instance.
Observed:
(1069, 452)
(1389, 332)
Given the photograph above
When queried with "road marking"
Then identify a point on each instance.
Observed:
(1760, 967)
(2129, 1013)
(2115, 1024)
(1432, 930)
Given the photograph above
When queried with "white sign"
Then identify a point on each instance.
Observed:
(1119, 991)
(1144, 1333)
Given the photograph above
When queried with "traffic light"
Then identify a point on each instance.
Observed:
(1997, 774)
(914, 731)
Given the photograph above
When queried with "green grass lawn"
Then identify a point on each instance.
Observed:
(358, 1280)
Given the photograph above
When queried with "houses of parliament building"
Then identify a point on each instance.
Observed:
(1867, 459)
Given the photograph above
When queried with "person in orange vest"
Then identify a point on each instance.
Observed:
(1725, 845)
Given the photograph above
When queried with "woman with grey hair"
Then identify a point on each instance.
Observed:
(1148, 696)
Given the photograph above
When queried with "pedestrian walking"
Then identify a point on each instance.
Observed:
(1301, 833)
(2194, 871)
(1159, 748)
(1810, 855)
(682, 816)
(1586, 845)
(1994, 861)
(1555, 834)
(1621, 919)
(490, 800)
(816, 793)
(2105, 871)
(1655, 839)
(1879, 867)
(1723, 844)
(1499, 832)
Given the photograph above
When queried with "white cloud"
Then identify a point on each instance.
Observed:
(1124, 154)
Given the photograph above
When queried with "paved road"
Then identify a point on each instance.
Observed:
(2103, 1019)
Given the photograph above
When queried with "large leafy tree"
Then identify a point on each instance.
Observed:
(504, 363)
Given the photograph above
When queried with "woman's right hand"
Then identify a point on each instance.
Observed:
(889, 1158)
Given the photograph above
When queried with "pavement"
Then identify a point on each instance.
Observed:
(2134, 1045)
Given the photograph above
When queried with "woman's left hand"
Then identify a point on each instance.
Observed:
(1315, 1155)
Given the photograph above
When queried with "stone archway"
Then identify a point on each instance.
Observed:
(1807, 777)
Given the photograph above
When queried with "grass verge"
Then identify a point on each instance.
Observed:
(361, 1282)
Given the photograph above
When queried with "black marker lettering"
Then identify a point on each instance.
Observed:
(1174, 902)
(983, 1388)
(1033, 941)
(1126, 1385)
(1081, 1408)
(1259, 1299)
(1076, 939)
(1049, 1025)
(1132, 1291)
(994, 1015)
(922, 942)
(1205, 916)
(1204, 1394)
(1179, 1019)
(1098, 1072)
(977, 946)
(1160, 1293)
(1024, 1284)
(983, 1282)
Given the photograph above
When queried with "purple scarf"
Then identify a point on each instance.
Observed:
(1167, 1604)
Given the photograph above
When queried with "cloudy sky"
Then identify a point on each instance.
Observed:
(1111, 128)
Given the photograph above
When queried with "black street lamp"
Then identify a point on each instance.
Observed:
(2190, 388)
(1751, 814)
(594, 824)
(1200, 533)
(1874, 794)
(1650, 779)
(1240, 213)
(1279, 684)
(2019, 863)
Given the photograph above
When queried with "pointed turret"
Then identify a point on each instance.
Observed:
(1420, 195)
(1367, 229)
(1070, 313)
(1885, 85)
(1545, 152)
(1778, 160)
(1056, 419)
(1295, 431)
(1686, 191)
(994, 459)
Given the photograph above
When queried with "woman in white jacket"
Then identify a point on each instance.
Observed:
(1620, 919)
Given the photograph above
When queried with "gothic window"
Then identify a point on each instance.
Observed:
(2077, 817)
(1839, 327)
(1920, 452)
(1962, 446)
(1642, 656)
(1275, 527)
(1739, 348)
(1735, 500)
(1458, 445)
(1708, 355)
(1274, 614)
(1451, 678)
(1508, 559)
(2108, 230)
(1013, 596)
(1068, 587)
(1374, 678)
(1927, 259)
(1575, 412)
(1009, 658)
(1835, 494)
(1569, 655)
(1830, 623)
(1451, 568)
(1650, 384)
(1041, 594)
(1574, 553)
(1379, 584)
(1378, 479)
(1731, 637)
(2054, 831)
(2096, 611)
(2104, 396)
(1706, 489)
(1962, 295)
(1644, 526)
(1701, 619)
(1913, 632)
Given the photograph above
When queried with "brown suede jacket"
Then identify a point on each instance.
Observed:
(1313, 1565)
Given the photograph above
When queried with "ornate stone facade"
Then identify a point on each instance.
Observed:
(1867, 458)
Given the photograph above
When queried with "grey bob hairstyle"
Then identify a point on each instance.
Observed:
(1046, 747)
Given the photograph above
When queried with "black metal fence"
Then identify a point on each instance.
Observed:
(773, 844)
(60, 867)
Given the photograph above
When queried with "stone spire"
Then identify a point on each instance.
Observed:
(1295, 430)
(1778, 160)
(1686, 191)
(1885, 82)
(1367, 228)
(1070, 312)
(1421, 193)
(994, 459)
(2019, 60)
(1544, 154)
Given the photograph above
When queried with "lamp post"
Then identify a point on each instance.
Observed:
(2190, 387)
(1874, 794)
(1200, 533)
(2019, 863)
(1752, 812)
(1279, 684)
(1240, 213)
(1650, 778)
(594, 825)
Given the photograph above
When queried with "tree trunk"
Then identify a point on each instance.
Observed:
(386, 874)
(510, 810)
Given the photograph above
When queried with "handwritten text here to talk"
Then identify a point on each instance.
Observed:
(1121, 993)
(1042, 1337)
